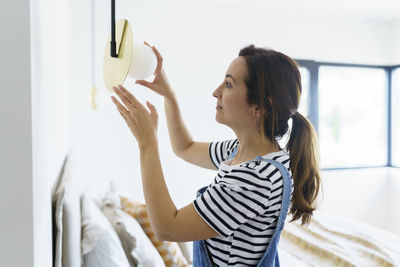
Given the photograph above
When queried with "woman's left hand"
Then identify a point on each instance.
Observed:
(142, 123)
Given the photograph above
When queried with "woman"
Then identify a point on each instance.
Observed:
(232, 221)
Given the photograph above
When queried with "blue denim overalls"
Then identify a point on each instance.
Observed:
(201, 257)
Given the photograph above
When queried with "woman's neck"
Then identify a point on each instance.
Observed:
(251, 148)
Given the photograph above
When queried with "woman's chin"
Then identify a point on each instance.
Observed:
(218, 119)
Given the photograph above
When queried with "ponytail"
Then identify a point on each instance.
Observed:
(274, 84)
(304, 164)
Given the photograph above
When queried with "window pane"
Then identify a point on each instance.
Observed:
(305, 85)
(305, 78)
(396, 117)
(353, 123)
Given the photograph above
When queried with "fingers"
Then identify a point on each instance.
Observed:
(158, 55)
(123, 97)
(159, 61)
(152, 108)
(131, 98)
(145, 83)
(146, 43)
(159, 58)
(120, 107)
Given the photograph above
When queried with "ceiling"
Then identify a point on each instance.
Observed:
(386, 10)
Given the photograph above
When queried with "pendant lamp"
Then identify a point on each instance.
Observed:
(123, 57)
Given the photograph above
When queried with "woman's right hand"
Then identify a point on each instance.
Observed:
(160, 84)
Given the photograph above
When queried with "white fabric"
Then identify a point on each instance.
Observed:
(67, 219)
(333, 240)
(144, 252)
(101, 246)
(95, 195)
(137, 246)
(58, 222)
(187, 250)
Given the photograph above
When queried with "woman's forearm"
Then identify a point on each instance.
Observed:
(160, 207)
(178, 133)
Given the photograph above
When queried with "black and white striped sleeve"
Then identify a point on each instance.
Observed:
(220, 150)
(242, 195)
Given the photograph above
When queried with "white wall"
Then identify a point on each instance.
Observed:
(395, 44)
(197, 43)
(16, 223)
(51, 126)
(35, 125)
(369, 195)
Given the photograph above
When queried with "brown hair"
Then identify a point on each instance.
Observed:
(275, 76)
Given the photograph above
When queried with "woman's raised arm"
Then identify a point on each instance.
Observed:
(182, 142)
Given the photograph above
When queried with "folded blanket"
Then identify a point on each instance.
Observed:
(331, 240)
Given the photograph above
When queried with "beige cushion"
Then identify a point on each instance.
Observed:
(67, 217)
(137, 246)
(169, 251)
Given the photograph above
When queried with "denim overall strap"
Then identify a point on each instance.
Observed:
(270, 257)
(201, 258)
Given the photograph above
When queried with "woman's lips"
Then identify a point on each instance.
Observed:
(218, 107)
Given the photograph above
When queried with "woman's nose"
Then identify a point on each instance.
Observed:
(216, 93)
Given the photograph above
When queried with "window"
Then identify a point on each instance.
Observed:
(396, 117)
(352, 116)
(305, 85)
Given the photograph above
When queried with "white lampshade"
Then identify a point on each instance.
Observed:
(143, 62)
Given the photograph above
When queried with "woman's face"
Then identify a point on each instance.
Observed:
(232, 107)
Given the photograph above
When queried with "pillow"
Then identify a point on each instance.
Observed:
(67, 219)
(187, 250)
(95, 195)
(137, 246)
(169, 251)
(58, 232)
(100, 243)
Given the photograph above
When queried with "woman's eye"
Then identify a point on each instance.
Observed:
(227, 84)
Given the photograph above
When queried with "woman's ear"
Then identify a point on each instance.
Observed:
(256, 112)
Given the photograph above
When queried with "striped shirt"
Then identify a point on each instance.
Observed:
(242, 205)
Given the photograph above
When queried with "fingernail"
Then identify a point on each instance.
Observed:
(119, 86)
(115, 89)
